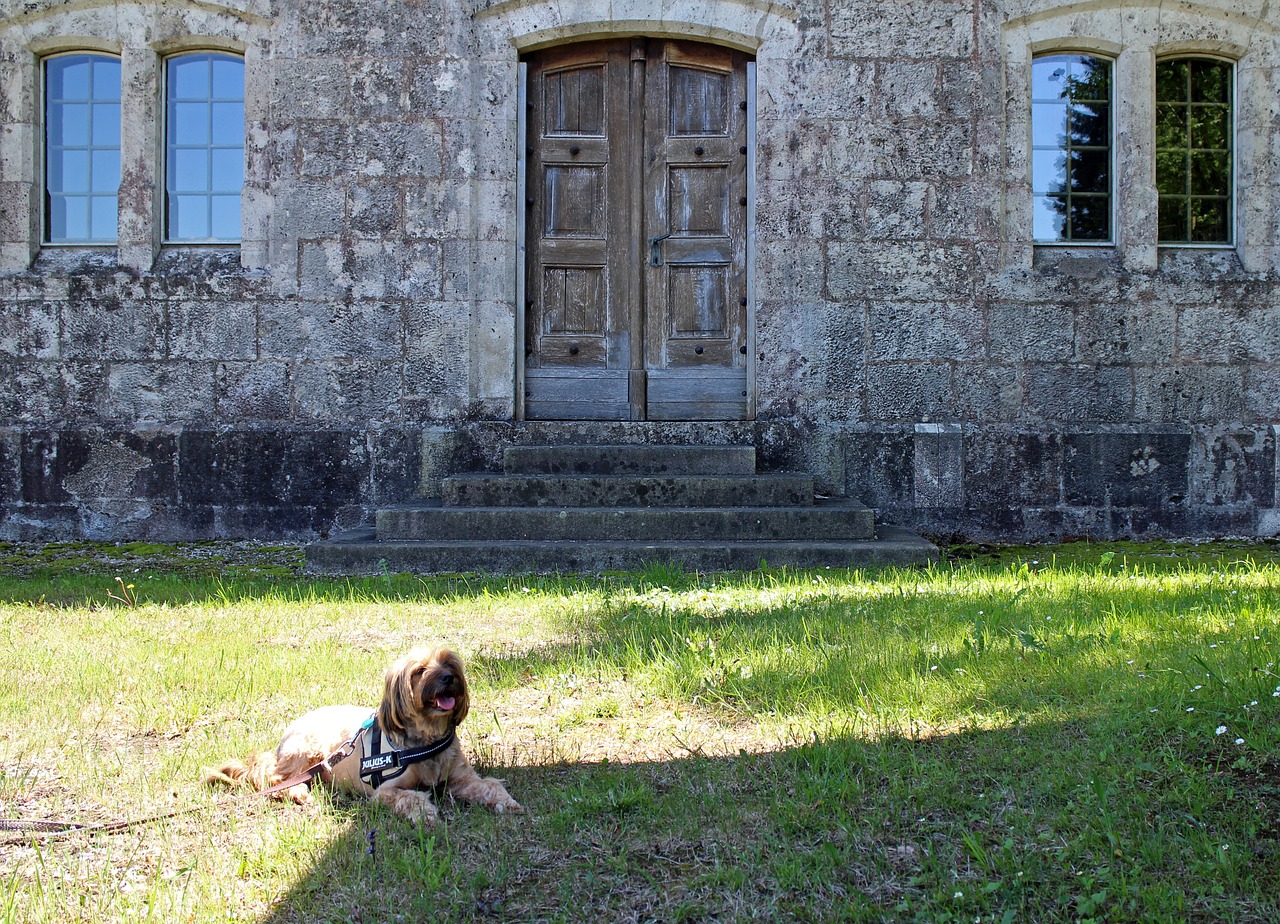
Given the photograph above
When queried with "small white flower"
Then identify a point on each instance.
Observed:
(1153, 710)
(1197, 687)
(1130, 661)
(933, 667)
(1220, 730)
(1239, 741)
(1213, 646)
(961, 894)
(1191, 709)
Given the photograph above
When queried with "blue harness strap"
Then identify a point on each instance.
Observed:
(382, 761)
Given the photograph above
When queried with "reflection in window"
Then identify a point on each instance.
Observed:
(1071, 147)
(1193, 150)
(204, 165)
(82, 148)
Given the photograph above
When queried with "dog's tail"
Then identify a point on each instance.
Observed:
(259, 772)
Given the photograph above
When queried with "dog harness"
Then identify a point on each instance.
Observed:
(380, 760)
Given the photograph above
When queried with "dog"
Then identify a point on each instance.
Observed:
(425, 697)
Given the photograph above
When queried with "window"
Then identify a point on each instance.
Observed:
(1071, 148)
(1194, 150)
(204, 147)
(82, 148)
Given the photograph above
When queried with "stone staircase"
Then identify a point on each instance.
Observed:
(620, 507)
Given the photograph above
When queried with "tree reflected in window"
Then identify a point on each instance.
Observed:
(1194, 150)
(1071, 148)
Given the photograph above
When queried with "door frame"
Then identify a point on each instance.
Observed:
(522, 193)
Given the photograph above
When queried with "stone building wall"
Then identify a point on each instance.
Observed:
(912, 346)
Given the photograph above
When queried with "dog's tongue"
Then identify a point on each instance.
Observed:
(444, 703)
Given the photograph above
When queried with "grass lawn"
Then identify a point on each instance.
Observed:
(1071, 733)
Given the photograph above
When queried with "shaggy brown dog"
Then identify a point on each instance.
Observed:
(424, 699)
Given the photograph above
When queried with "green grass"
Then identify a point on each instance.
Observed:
(1077, 733)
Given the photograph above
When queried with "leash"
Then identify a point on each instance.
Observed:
(48, 829)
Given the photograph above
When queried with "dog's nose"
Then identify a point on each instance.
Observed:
(446, 679)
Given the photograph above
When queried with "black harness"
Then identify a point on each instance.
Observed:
(381, 760)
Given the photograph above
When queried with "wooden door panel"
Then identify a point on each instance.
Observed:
(636, 232)
(577, 284)
(695, 304)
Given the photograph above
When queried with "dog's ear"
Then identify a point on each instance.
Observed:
(463, 704)
(397, 698)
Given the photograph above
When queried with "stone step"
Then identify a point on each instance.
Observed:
(363, 554)
(826, 520)
(639, 459)
(494, 490)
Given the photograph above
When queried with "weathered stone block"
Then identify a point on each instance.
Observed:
(879, 468)
(1197, 394)
(909, 391)
(938, 465)
(923, 331)
(1075, 393)
(328, 330)
(29, 329)
(1013, 468)
(1233, 466)
(348, 392)
(1126, 469)
(1030, 333)
(253, 391)
(920, 29)
(212, 330)
(912, 271)
(166, 392)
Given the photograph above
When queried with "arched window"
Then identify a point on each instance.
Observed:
(1071, 148)
(1194, 149)
(204, 147)
(82, 148)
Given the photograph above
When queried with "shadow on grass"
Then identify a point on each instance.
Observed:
(1039, 823)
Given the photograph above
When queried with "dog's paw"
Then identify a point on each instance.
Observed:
(508, 806)
(300, 794)
(415, 806)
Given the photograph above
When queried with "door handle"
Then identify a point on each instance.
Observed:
(655, 249)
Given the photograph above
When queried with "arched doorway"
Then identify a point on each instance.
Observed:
(637, 165)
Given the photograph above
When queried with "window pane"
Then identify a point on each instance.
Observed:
(1210, 81)
(1171, 81)
(189, 170)
(228, 78)
(1210, 173)
(1194, 139)
(1090, 171)
(106, 125)
(189, 123)
(68, 171)
(1048, 125)
(1071, 147)
(106, 79)
(1210, 127)
(228, 170)
(103, 217)
(104, 176)
(1050, 218)
(69, 124)
(1208, 220)
(189, 217)
(228, 123)
(1171, 173)
(1090, 125)
(1090, 218)
(68, 78)
(1173, 218)
(1049, 171)
(189, 77)
(68, 218)
(205, 147)
(226, 217)
(1171, 127)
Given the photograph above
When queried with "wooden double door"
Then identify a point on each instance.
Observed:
(636, 289)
